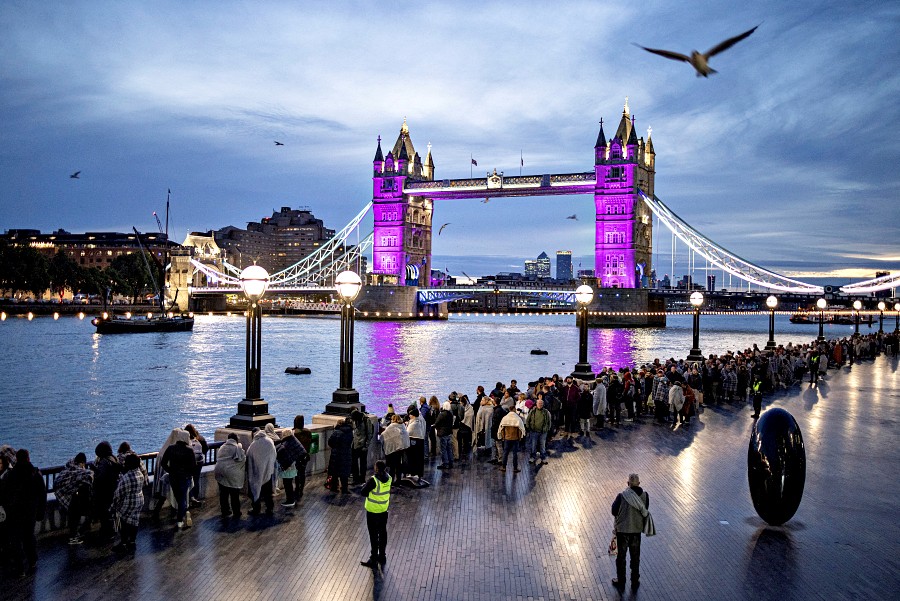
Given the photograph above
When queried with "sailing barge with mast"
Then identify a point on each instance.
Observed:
(164, 321)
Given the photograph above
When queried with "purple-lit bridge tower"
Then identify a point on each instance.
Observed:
(405, 189)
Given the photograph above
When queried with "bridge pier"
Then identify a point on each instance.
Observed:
(395, 302)
(626, 308)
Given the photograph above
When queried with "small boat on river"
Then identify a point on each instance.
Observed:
(298, 371)
(538, 351)
(120, 324)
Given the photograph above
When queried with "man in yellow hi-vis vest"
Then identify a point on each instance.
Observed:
(377, 492)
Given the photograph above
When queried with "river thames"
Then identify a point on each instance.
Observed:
(66, 388)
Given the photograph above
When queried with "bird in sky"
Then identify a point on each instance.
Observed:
(277, 143)
(75, 175)
(442, 228)
(573, 217)
(699, 61)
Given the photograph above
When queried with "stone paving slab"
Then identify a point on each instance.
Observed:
(542, 534)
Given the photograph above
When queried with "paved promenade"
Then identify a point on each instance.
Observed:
(542, 534)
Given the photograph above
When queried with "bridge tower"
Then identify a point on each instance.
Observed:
(623, 164)
(401, 252)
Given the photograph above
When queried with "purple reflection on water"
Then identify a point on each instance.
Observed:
(385, 360)
(612, 347)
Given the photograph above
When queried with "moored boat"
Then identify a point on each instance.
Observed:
(118, 324)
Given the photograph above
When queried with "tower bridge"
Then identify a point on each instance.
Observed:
(405, 189)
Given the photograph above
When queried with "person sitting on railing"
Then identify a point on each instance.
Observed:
(73, 492)
(128, 501)
(106, 475)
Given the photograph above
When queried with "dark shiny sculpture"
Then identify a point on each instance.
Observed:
(776, 466)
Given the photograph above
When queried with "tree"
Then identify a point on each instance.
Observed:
(130, 275)
(63, 272)
(23, 269)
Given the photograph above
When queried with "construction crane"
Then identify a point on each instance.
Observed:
(158, 222)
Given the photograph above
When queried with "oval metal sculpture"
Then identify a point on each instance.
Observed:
(776, 466)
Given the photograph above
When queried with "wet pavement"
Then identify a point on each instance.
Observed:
(543, 533)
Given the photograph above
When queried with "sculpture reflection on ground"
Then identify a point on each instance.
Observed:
(776, 466)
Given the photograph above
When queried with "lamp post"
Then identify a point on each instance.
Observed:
(771, 303)
(253, 411)
(584, 294)
(857, 305)
(345, 399)
(897, 317)
(821, 304)
(696, 354)
(881, 308)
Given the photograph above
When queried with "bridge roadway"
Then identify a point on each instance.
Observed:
(542, 534)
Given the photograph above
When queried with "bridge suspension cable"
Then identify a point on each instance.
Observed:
(885, 282)
(722, 258)
(323, 264)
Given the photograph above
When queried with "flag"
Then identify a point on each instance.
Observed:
(521, 162)
(474, 162)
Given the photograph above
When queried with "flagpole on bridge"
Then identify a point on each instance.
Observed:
(521, 162)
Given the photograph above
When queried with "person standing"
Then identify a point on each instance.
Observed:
(443, 427)
(339, 464)
(630, 509)
(106, 475)
(179, 462)
(676, 402)
(260, 471)
(537, 424)
(396, 441)
(231, 473)
(363, 433)
(306, 439)
(415, 454)
(377, 492)
(128, 501)
(200, 447)
(511, 431)
(24, 498)
(756, 389)
(599, 407)
(292, 458)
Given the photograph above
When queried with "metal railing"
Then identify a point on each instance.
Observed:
(149, 460)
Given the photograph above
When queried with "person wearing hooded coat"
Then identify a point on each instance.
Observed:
(231, 473)
(599, 407)
(128, 500)
(260, 471)
(106, 475)
(24, 499)
(415, 454)
(292, 459)
(339, 464)
(161, 488)
(72, 487)
(178, 461)
(396, 441)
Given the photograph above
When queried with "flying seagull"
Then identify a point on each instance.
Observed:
(277, 143)
(573, 216)
(486, 200)
(700, 62)
(75, 175)
(442, 228)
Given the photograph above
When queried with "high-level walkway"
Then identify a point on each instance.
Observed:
(542, 534)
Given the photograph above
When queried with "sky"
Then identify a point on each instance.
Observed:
(787, 157)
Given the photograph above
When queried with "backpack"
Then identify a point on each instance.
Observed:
(511, 433)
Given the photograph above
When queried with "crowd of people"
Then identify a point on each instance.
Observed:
(109, 490)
